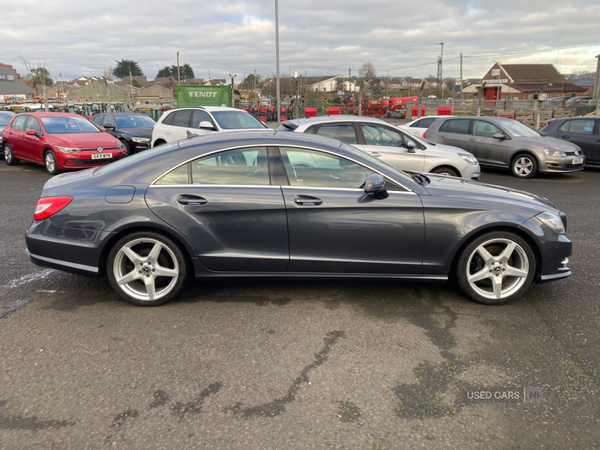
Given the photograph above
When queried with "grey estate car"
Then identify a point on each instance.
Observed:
(272, 204)
(506, 143)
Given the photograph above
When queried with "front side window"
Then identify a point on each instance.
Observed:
(19, 123)
(98, 120)
(33, 124)
(239, 167)
(342, 132)
(485, 129)
(380, 135)
(108, 120)
(459, 126)
(200, 116)
(318, 169)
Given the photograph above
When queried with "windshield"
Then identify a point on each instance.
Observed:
(517, 129)
(68, 125)
(236, 120)
(134, 121)
(398, 174)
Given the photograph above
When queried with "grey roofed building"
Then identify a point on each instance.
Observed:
(12, 84)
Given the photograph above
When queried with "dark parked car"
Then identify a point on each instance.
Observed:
(506, 143)
(258, 204)
(5, 117)
(583, 131)
(60, 141)
(134, 130)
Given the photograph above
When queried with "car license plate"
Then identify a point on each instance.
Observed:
(577, 161)
(101, 155)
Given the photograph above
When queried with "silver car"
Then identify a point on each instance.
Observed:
(506, 143)
(390, 144)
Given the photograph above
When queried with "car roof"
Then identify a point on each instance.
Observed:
(295, 123)
(50, 114)
(124, 114)
(208, 108)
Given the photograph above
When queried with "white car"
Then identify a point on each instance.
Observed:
(419, 126)
(390, 144)
(180, 123)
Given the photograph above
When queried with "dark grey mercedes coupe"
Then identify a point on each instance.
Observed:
(272, 204)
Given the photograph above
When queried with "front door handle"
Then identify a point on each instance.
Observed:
(375, 154)
(473, 139)
(307, 200)
(193, 200)
(565, 136)
(444, 137)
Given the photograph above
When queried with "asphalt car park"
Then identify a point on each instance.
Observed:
(251, 363)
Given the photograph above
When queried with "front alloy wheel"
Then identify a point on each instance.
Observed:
(50, 163)
(8, 155)
(146, 268)
(524, 166)
(496, 268)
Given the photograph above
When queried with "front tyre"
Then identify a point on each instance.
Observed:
(9, 157)
(147, 268)
(127, 148)
(445, 171)
(496, 268)
(51, 163)
(524, 166)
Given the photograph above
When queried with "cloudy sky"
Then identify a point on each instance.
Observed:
(319, 37)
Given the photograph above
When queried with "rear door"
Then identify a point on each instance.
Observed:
(584, 133)
(16, 137)
(455, 132)
(227, 208)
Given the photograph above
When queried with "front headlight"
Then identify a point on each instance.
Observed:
(68, 149)
(140, 140)
(553, 221)
(468, 158)
(550, 152)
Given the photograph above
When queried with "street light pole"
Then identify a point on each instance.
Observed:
(277, 60)
(232, 80)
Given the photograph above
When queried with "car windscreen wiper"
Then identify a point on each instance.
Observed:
(419, 178)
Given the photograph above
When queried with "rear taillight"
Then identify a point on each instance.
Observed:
(49, 206)
(424, 135)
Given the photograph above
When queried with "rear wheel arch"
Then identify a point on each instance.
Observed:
(185, 247)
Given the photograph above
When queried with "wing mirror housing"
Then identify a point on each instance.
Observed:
(206, 125)
(410, 145)
(108, 127)
(375, 184)
(499, 136)
(32, 133)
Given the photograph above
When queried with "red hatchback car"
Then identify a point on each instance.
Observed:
(60, 141)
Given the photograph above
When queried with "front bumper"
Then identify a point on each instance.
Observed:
(564, 165)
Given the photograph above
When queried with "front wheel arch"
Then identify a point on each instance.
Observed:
(441, 170)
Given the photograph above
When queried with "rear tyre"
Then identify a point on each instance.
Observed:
(8, 156)
(445, 171)
(496, 268)
(50, 163)
(524, 166)
(147, 268)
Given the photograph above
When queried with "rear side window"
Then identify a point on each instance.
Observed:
(19, 123)
(460, 126)
(182, 118)
(423, 123)
(240, 167)
(169, 119)
(341, 132)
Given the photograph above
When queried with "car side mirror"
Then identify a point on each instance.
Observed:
(109, 127)
(102, 129)
(374, 183)
(410, 145)
(32, 133)
(205, 124)
(499, 136)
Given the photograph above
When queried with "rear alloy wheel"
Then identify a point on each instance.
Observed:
(524, 166)
(8, 156)
(146, 268)
(50, 163)
(496, 268)
(445, 171)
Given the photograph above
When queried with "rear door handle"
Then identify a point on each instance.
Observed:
(307, 200)
(186, 199)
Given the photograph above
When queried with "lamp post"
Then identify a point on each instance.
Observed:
(232, 78)
(277, 59)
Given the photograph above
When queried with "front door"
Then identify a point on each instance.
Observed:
(334, 227)
(226, 207)
(487, 149)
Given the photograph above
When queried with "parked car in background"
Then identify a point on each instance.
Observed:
(5, 117)
(574, 101)
(60, 141)
(582, 131)
(555, 102)
(418, 127)
(179, 123)
(247, 205)
(134, 130)
(506, 143)
(390, 144)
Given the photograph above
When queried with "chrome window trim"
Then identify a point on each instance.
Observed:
(272, 186)
(267, 145)
(343, 189)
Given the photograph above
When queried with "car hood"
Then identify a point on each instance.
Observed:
(137, 132)
(460, 188)
(84, 140)
(546, 142)
(432, 147)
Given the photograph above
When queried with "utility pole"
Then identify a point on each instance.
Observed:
(387, 79)
(232, 80)
(178, 74)
(131, 85)
(597, 87)
(277, 60)
(441, 68)
(461, 78)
